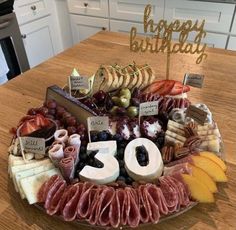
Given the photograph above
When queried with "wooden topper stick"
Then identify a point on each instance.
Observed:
(168, 66)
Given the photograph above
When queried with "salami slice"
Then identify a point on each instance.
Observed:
(54, 203)
(114, 214)
(143, 205)
(43, 191)
(170, 194)
(104, 219)
(70, 210)
(179, 168)
(187, 159)
(158, 198)
(72, 151)
(132, 211)
(122, 197)
(52, 191)
(67, 167)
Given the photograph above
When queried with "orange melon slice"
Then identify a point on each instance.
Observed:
(198, 190)
(210, 167)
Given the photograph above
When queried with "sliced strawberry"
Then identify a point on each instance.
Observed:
(28, 127)
(166, 88)
(41, 121)
(186, 88)
(154, 86)
(179, 88)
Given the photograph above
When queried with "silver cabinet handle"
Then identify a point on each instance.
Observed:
(33, 7)
(85, 4)
(23, 36)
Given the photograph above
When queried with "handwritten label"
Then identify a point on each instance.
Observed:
(197, 114)
(98, 123)
(148, 108)
(78, 82)
(194, 80)
(33, 145)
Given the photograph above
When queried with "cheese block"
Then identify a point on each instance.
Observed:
(176, 136)
(31, 185)
(211, 145)
(18, 168)
(30, 172)
(176, 130)
(215, 132)
(154, 168)
(171, 140)
(175, 124)
(107, 147)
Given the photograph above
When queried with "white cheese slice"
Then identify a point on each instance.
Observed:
(31, 185)
(176, 136)
(171, 140)
(30, 172)
(155, 165)
(110, 145)
(175, 124)
(19, 168)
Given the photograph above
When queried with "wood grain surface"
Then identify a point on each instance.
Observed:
(28, 90)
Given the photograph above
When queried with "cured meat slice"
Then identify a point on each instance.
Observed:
(179, 168)
(72, 151)
(170, 195)
(54, 203)
(187, 159)
(52, 191)
(104, 219)
(158, 198)
(114, 214)
(67, 167)
(178, 177)
(70, 210)
(122, 196)
(132, 209)
(43, 191)
(84, 205)
(93, 217)
(143, 205)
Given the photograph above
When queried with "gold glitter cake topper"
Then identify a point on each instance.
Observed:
(160, 39)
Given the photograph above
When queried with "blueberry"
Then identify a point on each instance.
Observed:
(121, 178)
(83, 156)
(118, 138)
(120, 153)
(81, 164)
(82, 149)
(90, 161)
(141, 149)
(93, 153)
(123, 172)
(129, 180)
(98, 164)
(94, 137)
(143, 163)
(121, 163)
(103, 136)
(141, 158)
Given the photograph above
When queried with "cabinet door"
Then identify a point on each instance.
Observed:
(39, 40)
(89, 7)
(232, 43)
(218, 16)
(233, 31)
(84, 27)
(132, 10)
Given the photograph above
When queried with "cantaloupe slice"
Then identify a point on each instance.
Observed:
(210, 167)
(215, 158)
(198, 190)
(203, 177)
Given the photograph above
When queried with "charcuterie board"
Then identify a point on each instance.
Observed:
(135, 152)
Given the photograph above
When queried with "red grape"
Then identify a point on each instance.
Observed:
(32, 111)
(100, 96)
(51, 104)
(81, 128)
(71, 130)
(43, 110)
(52, 111)
(71, 121)
(66, 115)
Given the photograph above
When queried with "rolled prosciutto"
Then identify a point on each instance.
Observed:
(67, 167)
(72, 151)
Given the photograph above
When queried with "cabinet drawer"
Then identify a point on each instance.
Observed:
(218, 16)
(28, 10)
(97, 8)
(132, 10)
(84, 26)
(232, 43)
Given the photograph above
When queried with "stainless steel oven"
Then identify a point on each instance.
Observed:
(13, 59)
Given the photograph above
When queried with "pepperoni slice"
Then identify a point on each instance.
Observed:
(143, 206)
(67, 167)
(54, 203)
(70, 210)
(122, 196)
(67, 195)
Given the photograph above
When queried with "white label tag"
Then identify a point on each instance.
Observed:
(33, 145)
(98, 123)
(78, 82)
(194, 80)
(148, 108)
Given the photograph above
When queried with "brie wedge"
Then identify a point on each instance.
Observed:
(155, 165)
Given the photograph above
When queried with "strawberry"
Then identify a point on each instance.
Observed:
(28, 127)
(166, 88)
(179, 88)
(41, 121)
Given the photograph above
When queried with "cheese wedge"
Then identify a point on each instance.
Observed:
(31, 185)
(19, 168)
(30, 172)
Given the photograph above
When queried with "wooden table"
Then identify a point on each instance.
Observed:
(28, 90)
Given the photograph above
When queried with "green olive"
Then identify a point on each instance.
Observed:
(124, 102)
(125, 92)
(132, 111)
(113, 110)
(116, 100)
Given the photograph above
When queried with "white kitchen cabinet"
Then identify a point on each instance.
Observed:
(84, 26)
(28, 10)
(232, 43)
(98, 8)
(132, 10)
(39, 40)
(218, 16)
(233, 31)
